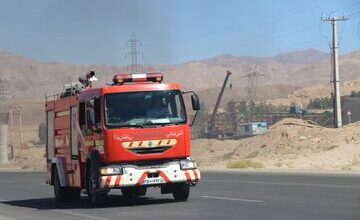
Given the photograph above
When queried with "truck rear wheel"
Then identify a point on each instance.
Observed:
(64, 193)
(181, 192)
(96, 196)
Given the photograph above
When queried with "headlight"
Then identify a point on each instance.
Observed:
(111, 170)
(187, 165)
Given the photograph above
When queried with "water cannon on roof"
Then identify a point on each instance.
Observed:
(88, 79)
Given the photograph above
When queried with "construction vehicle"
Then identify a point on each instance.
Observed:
(130, 135)
(212, 131)
(224, 125)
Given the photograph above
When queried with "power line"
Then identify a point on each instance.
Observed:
(230, 44)
(256, 38)
(225, 31)
(313, 42)
(283, 30)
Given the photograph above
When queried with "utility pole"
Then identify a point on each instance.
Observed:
(12, 150)
(21, 129)
(5, 120)
(335, 69)
(17, 113)
(8, 111)
(133, 44)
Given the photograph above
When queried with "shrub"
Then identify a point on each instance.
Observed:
(244, 164)
(42, 133)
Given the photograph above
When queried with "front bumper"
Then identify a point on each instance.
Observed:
(150, 176)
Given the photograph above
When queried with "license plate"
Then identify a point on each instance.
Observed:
(153, 181)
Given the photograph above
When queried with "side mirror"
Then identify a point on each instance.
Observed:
(195, 102)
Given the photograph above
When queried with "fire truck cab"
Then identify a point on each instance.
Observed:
(130, 135)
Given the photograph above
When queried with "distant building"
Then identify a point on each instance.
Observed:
(350, 109)
(251, 129)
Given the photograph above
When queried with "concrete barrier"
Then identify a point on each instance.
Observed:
(4, 118)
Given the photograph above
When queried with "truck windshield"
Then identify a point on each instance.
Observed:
(137, 109)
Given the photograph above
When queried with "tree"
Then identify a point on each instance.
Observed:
(231, 113)
(355, 94)
(42, 133)
(320, 103)
(243, 109)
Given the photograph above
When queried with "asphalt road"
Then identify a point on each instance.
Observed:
(220, 195)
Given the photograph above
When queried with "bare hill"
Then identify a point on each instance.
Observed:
(302, 57)
(28, 75)
(302, 96)
(285, 73)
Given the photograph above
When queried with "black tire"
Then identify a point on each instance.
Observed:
(64, 194)
(181, 192)
(96, 196)
(59, 192)
(128, 195)
(141, 191)
(72, 194)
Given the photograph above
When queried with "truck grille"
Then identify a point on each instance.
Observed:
(150, 150)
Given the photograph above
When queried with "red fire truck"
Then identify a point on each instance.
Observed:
(130, 135)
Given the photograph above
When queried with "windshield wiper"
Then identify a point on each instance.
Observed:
(162, 124)
(128, 126)
(145, 125)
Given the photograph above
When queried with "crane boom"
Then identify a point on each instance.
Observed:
(212, 121)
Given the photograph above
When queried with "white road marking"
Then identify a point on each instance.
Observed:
(232, 199)
(80, 214)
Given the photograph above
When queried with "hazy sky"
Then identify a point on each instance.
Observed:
(171, 31)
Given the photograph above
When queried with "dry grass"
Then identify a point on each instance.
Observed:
(278, 164)
(244, 163)
(331, 147)
(253, 154)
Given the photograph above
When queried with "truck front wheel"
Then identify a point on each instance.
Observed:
(140, 191)
(128, 195)
(181, 192)
(95, 195)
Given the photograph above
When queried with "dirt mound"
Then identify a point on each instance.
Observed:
(291, 143)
